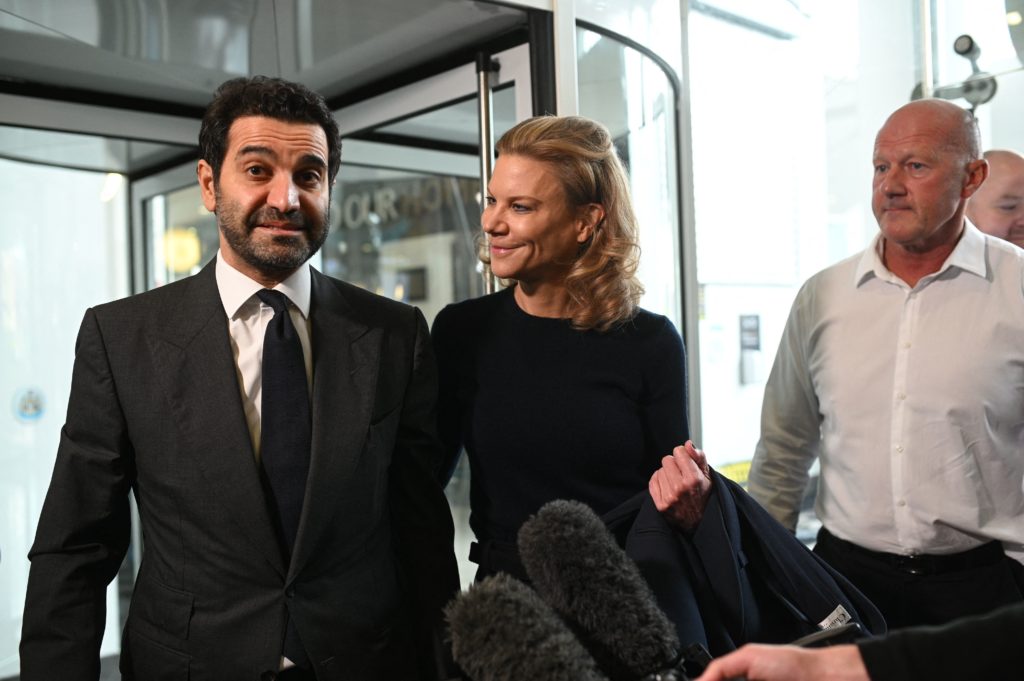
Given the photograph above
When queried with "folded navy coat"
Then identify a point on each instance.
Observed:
(739, 577)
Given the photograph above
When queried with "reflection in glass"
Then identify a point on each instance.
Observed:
(630, 93)
(405, 235)
(182, 235)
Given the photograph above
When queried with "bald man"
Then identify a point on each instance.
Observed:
(997, 208)
(901, 370)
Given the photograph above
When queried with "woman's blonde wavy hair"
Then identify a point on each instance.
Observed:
(602, 284)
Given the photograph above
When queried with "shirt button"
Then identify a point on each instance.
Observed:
(902, 396)
(901, 503)
(907, 344)
(899, 448)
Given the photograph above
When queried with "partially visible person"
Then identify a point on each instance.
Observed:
(277, 429)
(902, 370)
(560, 386)
(979, 647)
(997, 208)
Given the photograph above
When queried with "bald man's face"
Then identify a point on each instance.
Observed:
(997, 208)
(920, 182)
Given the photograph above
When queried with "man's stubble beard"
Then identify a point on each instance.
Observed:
(285, 253)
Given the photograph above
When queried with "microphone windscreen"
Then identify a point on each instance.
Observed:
(502, 631)
(578, 569)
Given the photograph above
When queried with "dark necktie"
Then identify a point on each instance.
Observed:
(285, 426)
(285, 434)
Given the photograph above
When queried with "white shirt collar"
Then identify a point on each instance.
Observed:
(236, 289)
(968, 255)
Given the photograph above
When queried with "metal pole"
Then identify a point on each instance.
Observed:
(485, 66)
(927, 75)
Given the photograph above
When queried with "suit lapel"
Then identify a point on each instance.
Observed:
(202, 385)
(346, 359)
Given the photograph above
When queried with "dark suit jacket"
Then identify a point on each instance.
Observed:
(740, 577)
(155, 408)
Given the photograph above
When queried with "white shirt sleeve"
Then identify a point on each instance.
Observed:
(790, 423)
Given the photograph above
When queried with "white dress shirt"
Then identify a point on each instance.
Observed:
(913, 398)
(248, 317)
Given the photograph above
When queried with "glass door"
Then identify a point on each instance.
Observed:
(63, 249)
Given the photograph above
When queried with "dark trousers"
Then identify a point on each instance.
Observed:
(927, 590)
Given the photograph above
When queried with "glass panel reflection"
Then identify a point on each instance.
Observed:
(409, 236)
(630, 93)
(182, 235)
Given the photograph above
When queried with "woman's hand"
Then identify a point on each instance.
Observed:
(681, 487)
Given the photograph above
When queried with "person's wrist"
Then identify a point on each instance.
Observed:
(841, 663)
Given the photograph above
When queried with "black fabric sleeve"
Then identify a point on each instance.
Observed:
(665, 414)
(981, 647)
(445, 337)
(420, 511)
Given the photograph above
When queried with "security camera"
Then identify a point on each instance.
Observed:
(966, 47)
(980, 87)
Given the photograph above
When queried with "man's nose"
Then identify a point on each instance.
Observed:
(892, 182)
(283, 194)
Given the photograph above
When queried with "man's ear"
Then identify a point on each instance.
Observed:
(590, 217)
(207, 185)
(977, 171)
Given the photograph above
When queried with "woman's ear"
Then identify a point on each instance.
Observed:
(591, 216)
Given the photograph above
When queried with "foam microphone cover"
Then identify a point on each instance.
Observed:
(578, 569)
(502, 631)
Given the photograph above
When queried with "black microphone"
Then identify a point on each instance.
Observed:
(502, 631)
(578, 569)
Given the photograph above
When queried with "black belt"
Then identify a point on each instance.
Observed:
(925, 563)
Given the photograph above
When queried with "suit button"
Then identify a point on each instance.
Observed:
(289, 592)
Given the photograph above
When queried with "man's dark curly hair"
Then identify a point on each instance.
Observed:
(270, 97)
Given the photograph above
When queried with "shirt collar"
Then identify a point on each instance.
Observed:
(236, 289)
(968, 255)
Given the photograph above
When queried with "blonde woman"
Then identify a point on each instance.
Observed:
(560, 386)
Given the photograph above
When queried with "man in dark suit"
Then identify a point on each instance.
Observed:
(334, 564)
